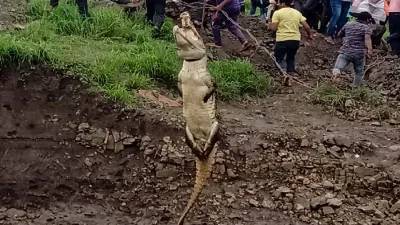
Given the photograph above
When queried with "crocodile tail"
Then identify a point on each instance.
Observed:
(203, 172)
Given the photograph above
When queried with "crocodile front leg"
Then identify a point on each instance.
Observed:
(180, 88)
(212, 139)
(212, 87)
(192, 144)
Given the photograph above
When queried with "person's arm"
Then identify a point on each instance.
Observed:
(274, 23)
(342, 32)
(368, 43)
(307, 28)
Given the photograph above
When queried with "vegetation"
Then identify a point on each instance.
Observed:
(114, 53)
(331, 95)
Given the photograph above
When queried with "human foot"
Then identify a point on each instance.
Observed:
(330, 40)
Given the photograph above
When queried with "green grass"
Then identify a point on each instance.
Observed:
(115, 54)
(333, 96)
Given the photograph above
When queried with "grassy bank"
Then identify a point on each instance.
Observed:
(114, 53)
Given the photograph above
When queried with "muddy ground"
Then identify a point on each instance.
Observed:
(68, 156)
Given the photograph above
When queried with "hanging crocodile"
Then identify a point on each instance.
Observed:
(197, 89)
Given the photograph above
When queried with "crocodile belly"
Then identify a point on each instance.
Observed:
(199, 118)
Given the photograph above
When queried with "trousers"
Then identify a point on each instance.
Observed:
(288, 49)
(220, 20)
(358, 62)
(339, 16)
(155, 13)
(82, 6)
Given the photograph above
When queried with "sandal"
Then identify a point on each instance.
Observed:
(329, 41)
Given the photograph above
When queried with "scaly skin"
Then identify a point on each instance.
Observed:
(197, 89)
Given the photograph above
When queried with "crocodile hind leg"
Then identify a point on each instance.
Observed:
(192, 144)
(212, 139)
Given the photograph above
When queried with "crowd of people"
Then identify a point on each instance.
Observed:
(329, 17)
(286, 17)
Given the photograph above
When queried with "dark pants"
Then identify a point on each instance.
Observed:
(288, 49)
(218, 25)
(156, 12)
(394, 22)
(339, 16)
(326, 16)
(242, 8)
(394, 29)
(298, 5)
(311, 10)
(82, 6)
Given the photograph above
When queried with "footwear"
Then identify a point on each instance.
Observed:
(213, 45)
(329, 40)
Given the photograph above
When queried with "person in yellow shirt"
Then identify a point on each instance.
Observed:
(286, 22)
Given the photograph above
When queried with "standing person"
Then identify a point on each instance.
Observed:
(286, 22)
(394, 26)
(394, 16)
(82, 6)
(326, 16)
(340, 8)
(155, 14)
(356, 36)
(375, 7)
(232, 9)
(242, 6)
(311, 11)
(262, 4)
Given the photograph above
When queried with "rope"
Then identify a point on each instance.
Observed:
(258, 45)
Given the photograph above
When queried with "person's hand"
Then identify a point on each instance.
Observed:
(370, 53)
(218, 7)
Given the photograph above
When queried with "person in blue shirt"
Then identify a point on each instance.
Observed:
(232, 9)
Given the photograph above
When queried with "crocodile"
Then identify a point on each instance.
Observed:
(198, 91)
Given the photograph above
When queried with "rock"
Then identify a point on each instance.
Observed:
(83, 126)
(335, 148)
(394, 122)
(302, 203)
(363, 171)
(327, 184)
(230, 173)
(394, 148)
(129, 141)
(348, 103)
(268, 204)
(328, 210)
(118, 147)
(305, 143)
(383, 205)
(334, 202)
(376, 124)
(287, 165)
(368, 208)
(165, 173)
(318, 201)
(343, 141)
(254, 202)
(329, 139)
(72, 125)
(149, 151)
(110, 143)
(282, 190)
(396, 207)
(88, 163)
(15, 213)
